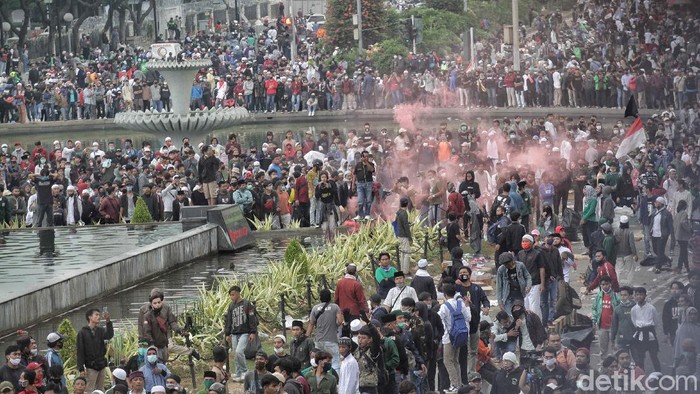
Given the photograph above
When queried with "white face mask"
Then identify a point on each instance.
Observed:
(279, 350)
(15, 361)
(34, 352)
(549, 363)
(152, 358)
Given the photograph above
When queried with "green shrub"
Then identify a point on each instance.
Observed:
(141, 212)
(385, 52)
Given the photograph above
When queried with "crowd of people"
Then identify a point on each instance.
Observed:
(505, 181)
(599, 58)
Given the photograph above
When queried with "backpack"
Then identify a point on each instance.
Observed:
(495, 229)
(535, 329)
(459, 332)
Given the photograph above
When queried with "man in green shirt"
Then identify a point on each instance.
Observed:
(384, 275)
(321, 379)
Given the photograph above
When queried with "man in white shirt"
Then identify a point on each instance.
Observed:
(349, 376)
(450, 353)
(644, 318)
(393, 299)
(556, 83)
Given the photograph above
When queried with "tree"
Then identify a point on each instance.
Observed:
(456, 6)
(385, 52)
(141, 213)
(339, 27)
(6, 8)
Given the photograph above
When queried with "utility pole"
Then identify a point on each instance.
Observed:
(516, 36)
(472, 52)
(413, 33)
(359, 27)
(293, 27)
(465, 5)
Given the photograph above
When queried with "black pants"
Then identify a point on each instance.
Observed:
(47, 211)
(683, 255)
(659, 245)
(586, 231)
(639, 351)
(561, 198)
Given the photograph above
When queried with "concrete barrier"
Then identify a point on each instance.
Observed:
(134, 266)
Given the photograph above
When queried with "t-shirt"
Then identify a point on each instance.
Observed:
(325, 329)
(515, 290)
(606, 314)
(43, 190)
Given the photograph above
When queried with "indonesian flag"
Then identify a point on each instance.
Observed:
(634, 138)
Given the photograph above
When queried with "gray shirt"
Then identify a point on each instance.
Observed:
(326, 329)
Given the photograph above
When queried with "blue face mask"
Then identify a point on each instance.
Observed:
(152, 358)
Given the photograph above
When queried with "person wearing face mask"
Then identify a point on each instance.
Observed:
(252, 379)
(320, 378)
(12, 370)
(154, 372)
(550, 369)
(30, 350)
(208, 380)
(54, 341)
(279, 342)
(27, 382)
(511, 378)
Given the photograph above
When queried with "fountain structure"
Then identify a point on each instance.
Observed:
(179, 74)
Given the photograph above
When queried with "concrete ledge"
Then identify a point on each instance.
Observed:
(134, 266)
(323, 117)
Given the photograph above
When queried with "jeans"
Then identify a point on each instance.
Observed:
(270, 102)
(329, 101)
(549, 301)
(238, 345)
(296, 102)
(364, 198)
(519, 100)
(313, 212)
(605, 342)
(492, 97)
(332, 348)
(647, 239)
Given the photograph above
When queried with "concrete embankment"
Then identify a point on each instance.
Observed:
(132, 267)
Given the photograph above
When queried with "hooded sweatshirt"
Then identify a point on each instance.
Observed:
(607, 207)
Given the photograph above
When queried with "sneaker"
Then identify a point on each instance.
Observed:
(357, 218)
(368, 218)
(451, 390)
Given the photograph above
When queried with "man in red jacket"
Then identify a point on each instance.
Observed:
(350, 295)
(604, 269)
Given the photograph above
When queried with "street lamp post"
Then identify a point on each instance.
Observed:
(516, 36)
(68, 18)
(5, 31)
(48, 16)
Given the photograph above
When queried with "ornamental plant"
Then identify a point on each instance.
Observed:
(141, 212)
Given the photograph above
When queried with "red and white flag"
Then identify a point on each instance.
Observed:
(634, 138)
